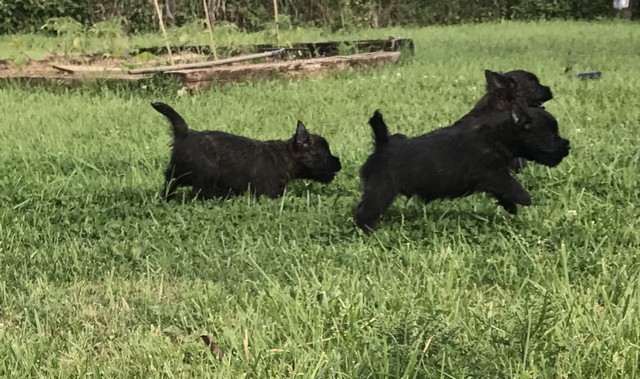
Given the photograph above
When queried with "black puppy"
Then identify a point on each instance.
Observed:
(218, 164)
(501, 91)
(528, 87)
(458, 160)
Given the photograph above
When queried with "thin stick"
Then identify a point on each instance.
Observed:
(220, 62)
(213, 43)
(245, 343)
(164, 31)
(275, 16)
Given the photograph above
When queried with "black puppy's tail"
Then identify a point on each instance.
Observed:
(380, 129)
(178, 124)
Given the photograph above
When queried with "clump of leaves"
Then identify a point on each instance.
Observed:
(112, 36)
(225, 29)
(139, 60)
(188, 33)
(347, 49)
(19, 55)
(73, 37)
(271, 31)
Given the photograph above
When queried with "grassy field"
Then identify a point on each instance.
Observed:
(98, 277)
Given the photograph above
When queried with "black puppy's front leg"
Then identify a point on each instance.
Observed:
(508, 205)
(507, 190)
(518, 164)
(273, 190)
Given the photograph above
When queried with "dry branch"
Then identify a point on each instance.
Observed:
(275, 17)
(164, 31)
(210, 28)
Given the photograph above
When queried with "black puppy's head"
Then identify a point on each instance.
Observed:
(502, 91)
(313, 155)
(529, 87)
(536, 135)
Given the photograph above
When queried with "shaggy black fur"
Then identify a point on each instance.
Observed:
(501, 91)
(219, 164)
(470, 156)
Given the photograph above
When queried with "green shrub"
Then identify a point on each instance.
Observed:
(29, 15)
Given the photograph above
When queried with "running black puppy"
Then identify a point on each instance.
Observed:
(529, 88)
(456, 161)
(218, 164)
(501, 91)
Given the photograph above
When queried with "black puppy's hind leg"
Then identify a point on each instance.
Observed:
(171, 183)
(168, 191)
(205, 189)
(377, 196)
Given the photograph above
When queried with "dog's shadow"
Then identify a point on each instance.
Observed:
(301, 188)
(472, 212)
(404, 213)
(298, 190)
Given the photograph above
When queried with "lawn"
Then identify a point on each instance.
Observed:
(98, 277)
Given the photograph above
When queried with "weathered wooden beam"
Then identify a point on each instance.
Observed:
(189, 66)
(69, 80)
(74, 69)
(200, 79)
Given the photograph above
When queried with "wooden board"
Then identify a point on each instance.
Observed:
(74, 69)
(109, 71)
(201, 79)
(70, 80)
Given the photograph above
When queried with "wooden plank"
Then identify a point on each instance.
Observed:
(205, 64)
(200, 79)
(70, 80)
(205, 77)
(73, 69)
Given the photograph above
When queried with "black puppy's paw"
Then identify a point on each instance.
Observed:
(518, 164)
(509, 206)
(523, 199)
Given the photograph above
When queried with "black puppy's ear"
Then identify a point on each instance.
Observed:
(497, 81)
(520, 114)
(302, 136)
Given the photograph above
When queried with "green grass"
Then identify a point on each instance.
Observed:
(98, 277)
